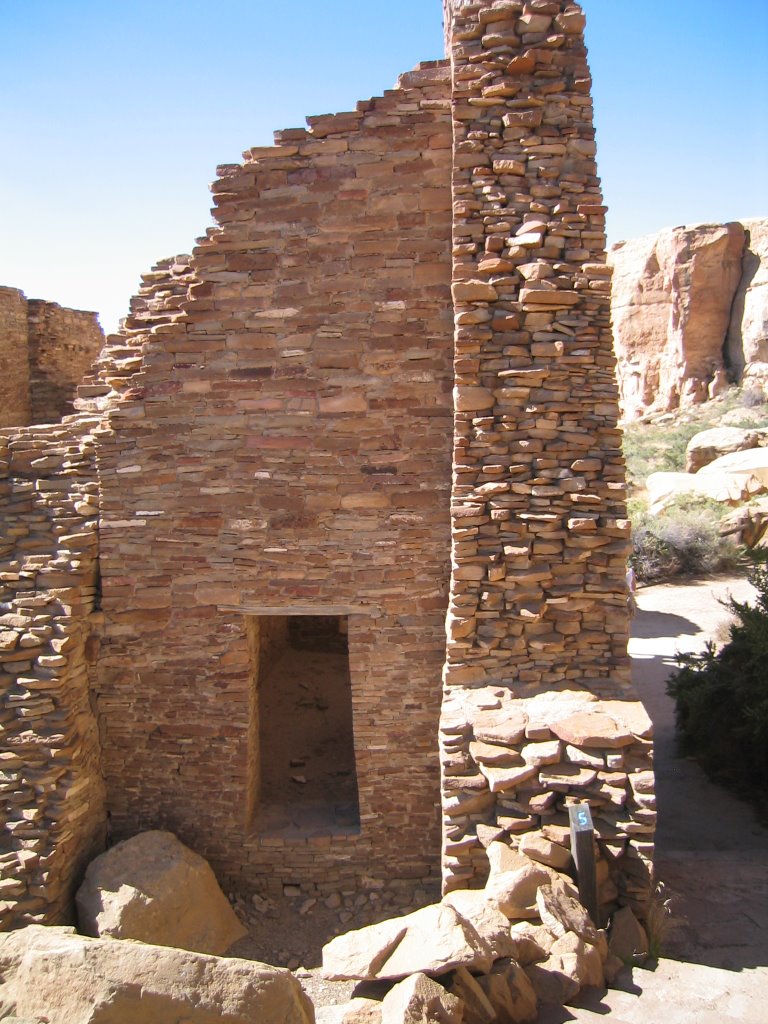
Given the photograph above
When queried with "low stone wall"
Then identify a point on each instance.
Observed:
(52, 801)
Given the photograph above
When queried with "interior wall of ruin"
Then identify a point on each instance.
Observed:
(540, 535)
(278, 441)
(45, 350)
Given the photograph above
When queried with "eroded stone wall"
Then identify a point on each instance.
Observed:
(279, 442)
(540, 535)
(14, 358)
(45, 350)
(52, 806)
(62, 345)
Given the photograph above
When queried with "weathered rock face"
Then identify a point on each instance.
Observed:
(672, 298)
(690, 313)
(55, 975)
(154, 889)
(747, 344)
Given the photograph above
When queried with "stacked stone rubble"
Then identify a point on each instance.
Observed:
(52, 796)
(540, 535)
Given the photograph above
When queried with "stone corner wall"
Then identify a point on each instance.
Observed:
(15, 407)
(45, 350)
(52, 799)
(538, 612)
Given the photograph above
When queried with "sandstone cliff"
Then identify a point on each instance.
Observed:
(690, 313)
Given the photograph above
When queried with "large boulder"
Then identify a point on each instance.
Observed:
(155, 889)
(708, 445)
(671, 307)
(420, 1000)
(56, 975)
(729, 487)
(433, 940)
(753, 463)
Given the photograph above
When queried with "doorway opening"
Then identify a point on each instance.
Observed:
(304, 780)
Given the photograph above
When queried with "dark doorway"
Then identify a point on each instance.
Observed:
(304, 763)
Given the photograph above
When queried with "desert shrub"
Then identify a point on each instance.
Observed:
(683, 540)
(721, 700)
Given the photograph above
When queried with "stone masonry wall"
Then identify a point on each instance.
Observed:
(52, 808)
(278, 442)
(62, 345)
(14, 358)
(540, 535)
(45, 350)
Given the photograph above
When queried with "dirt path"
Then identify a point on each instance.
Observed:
(712, 854)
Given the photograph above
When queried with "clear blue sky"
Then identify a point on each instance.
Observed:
(115, 114)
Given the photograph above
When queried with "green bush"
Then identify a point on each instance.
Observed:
(721, 701)
(680, 541)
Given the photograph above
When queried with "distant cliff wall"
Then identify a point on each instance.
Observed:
(690, 313)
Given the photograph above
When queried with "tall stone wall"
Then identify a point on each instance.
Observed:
(45, 350)
(278, 442)
(538, 607)
(14, 358)
(52, 802)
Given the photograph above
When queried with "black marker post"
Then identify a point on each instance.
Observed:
(583, 852)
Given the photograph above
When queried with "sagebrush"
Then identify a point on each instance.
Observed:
(721, 700)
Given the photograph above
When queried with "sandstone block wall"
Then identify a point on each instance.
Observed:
(45, 350)
(14, 358)
(52, 801)
(278, 442)
(540, 536)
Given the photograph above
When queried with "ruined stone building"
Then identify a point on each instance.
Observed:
(327, 573)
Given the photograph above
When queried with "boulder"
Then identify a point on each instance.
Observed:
(709, 445)
(514, 880)
(747, 463)
(561, 913)
(551, 983)
(420, 1000)
(628, 939)
(729, 488)
(510, 992)
(64, 978)
(155, 889)
(671, 306)
(433, 940)
(478, 1009)
(746, 525)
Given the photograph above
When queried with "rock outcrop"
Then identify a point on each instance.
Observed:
(55, 975)
(671, 306)
(155, 889)
(690, 313)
